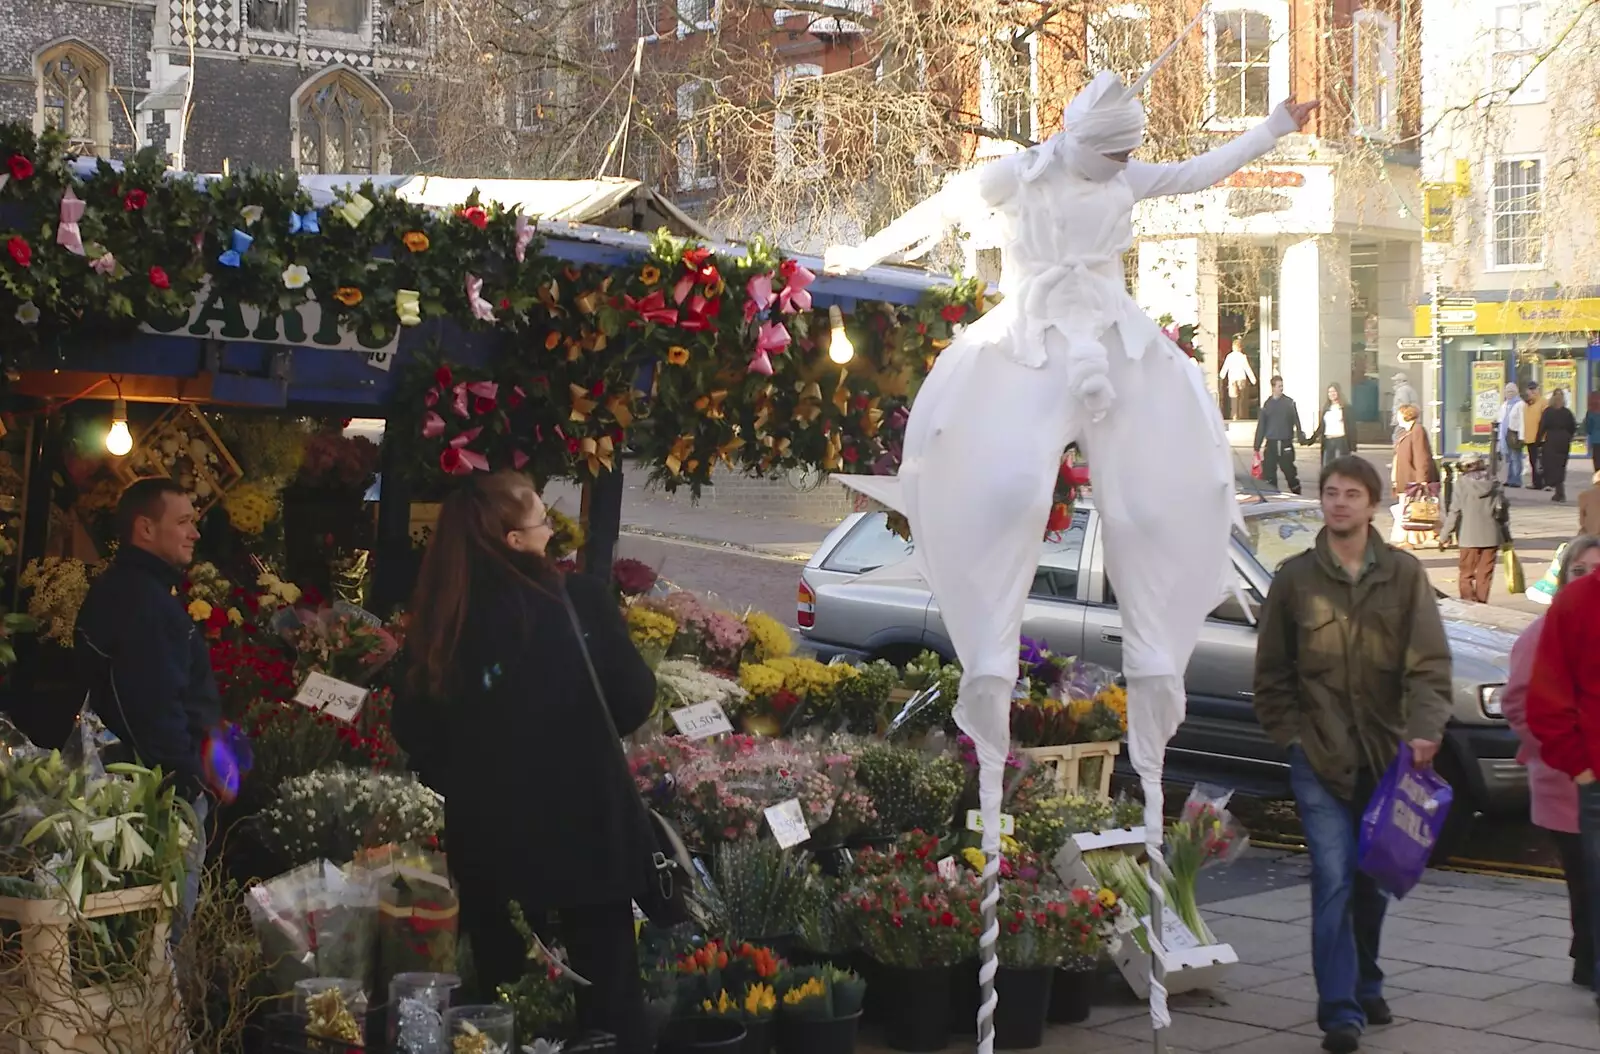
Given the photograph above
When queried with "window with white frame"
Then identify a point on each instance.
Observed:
(1516, 217)
(647, 14)
(697, 165)
(1119, 40)
(605, 24)
(1374, 44)
(694, 16)
(1519, 38)
(798, 130)
(1248, 44)
(73, 85)
(538, 95)
(1006, 71)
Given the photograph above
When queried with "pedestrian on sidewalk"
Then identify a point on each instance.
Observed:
(1557, 428)
(1352, 659)
(1591, 428)
(1412, 475)
(1238, 377)
(1589, 508)
(1563, 711)
(1278, 428)
(1509, 431)
(1553, 797)
(1533, 434)
(1479, 522)
(1331, 428)
(1404, 395)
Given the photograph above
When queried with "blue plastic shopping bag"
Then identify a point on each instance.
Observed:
(1402, 823)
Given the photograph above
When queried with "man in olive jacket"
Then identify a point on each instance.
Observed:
(1352, 659)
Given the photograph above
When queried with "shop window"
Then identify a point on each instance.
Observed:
(1373, 74)
(1249, 50)
(697, 165)
(1517, 213)
(341, 124)
(1006, 74)
(73, 85)
(1119, 40)
(798, 128)
(337, 16)
(1519, 39)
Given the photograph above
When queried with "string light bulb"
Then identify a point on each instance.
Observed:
(119, 440)
(840, 350)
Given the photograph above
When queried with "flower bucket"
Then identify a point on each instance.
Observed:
(1070, 994)
(703, 1035)
(757, 1036)
(799, 1036)
(914, 1005)
(964, 998)
(1024, 1002)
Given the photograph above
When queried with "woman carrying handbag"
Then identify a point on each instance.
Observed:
(1414, 478)
(509, 718)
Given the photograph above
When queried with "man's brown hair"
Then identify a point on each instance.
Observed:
(143, 497)
(1353, 466)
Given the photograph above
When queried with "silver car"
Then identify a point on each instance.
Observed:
(1072, 607)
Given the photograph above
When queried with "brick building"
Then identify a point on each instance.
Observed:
(305, 84)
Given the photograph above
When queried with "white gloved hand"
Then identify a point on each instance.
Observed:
(844, 259)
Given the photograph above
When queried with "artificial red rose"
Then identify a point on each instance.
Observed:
(694, 258)
(953, 312)
(134, 200)
(573, 445)
(598, 389)
(21, 167)
(217, 621)
(515, 398)
(443, 377)
(476, 215)
(483, 404)
(20, 250)
(159, 279)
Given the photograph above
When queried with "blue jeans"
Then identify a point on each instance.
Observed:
(1346, 906)
(194, 866)
(1513, 466)
(1589, 840)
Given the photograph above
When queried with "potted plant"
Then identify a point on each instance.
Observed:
(727, 982)
(1034, 937)
(753, 1009)
(915, 922)
(1089, 928)
(819, 1011)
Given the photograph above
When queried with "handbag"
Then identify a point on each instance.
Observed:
(665, 900)
(1402, 824)
(1515, 583)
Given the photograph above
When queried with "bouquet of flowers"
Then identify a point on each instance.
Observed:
(757, 890)
(337, 812)
(909, 789)
(1205, 834)
(909, 917)
(340, 645)
(718, 977)
(543, 999)
(820, 993)
(418, 911)
(633, 578)
(717, 792)
(768, 638)
(684, 682)
(651, 631)
(58, 586)
(778, 686)
(316, 921)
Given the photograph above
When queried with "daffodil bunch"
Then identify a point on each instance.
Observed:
(821, 993)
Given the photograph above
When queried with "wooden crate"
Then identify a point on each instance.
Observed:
(1068, 763)
(48, 1013)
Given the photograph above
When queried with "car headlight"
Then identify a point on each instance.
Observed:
(1489, 699)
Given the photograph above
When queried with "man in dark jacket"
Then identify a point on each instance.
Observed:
(1278, 426)
(149, 674)
(1352, 659)
(1478, 521)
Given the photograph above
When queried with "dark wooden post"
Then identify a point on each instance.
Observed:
(603, 522)
(396, 569)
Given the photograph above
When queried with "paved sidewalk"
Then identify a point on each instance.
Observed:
(1474, 965)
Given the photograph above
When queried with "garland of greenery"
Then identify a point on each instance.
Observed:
(692, 358)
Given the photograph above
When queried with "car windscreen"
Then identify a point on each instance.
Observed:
(869, 545)
(1276, 535)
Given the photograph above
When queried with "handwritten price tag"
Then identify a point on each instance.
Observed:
(331, 696)
(948, 870)
(788, 823)
(1175, 936)
(700, 720)
(1008, 823)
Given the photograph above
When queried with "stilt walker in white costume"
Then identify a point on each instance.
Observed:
(1066, 357)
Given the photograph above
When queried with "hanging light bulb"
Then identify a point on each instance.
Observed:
(840, 349)
(119, 440)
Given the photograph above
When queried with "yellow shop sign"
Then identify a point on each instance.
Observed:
(1523, 316)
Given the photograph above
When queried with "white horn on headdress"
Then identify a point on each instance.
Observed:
(1161, 60)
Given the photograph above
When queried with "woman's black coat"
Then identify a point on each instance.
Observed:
(1557, 426)
(539, 805)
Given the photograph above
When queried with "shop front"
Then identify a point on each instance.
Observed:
(1555, 343)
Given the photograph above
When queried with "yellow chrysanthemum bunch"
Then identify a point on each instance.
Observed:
(250, 507)
(759, 679)
(768, 637)
(812, 989)
(199, 610)
(59, 585)
(1115, 697)
(805, 677)
(650, 628)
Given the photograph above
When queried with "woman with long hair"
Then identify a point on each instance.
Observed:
(502, 716)
(1553, 797)
(1333, 427)
(1557, 427)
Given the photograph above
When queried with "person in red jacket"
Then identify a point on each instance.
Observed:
(1564, 707)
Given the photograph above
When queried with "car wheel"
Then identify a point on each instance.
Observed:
(1463, 810)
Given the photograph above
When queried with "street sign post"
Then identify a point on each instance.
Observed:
(1417, 344)
(1419, 356)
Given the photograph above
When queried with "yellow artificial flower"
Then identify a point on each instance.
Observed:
(770, 639)
(235, 617)
(416, 241)
(199, 610)
(348, 295)
(677, 355)
(650, 274)
(974, 858)
(1108, 898)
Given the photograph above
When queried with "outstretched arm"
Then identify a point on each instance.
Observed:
(1210, 168)
(928, 219)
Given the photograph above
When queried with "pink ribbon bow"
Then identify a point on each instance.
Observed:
(759, 290)
(432, 425)
(772, 339)
(457, 460)
(481, 309)
(652, 308)
(700, 314)
(106, 264)
(67, 234)
(518, 459)
(796, 295)
(525, 232)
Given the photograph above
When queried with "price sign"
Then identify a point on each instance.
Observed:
(1175, 936)
(331, 696)
(350, 610)
(948, 869)
(700, 720)
(788, 823)
(1008, 823)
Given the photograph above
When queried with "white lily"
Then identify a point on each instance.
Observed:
(132, 849)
